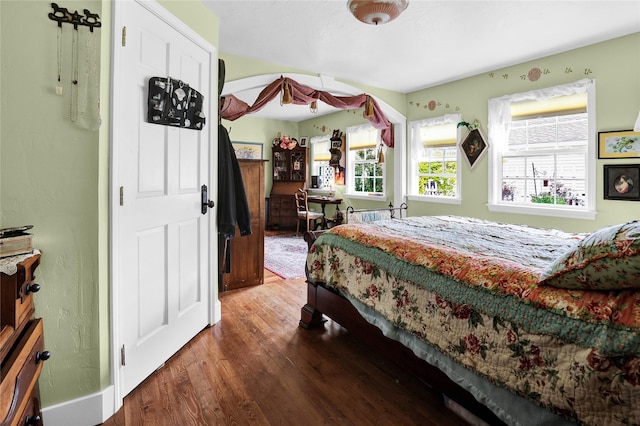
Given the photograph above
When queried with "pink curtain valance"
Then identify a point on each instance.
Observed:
(233, 108)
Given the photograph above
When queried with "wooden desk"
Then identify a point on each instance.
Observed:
(323, 201)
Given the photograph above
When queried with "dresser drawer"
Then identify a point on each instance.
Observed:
(31, 415)
(16, 296)
(19, 374)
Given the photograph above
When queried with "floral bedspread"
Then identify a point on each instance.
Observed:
(470, 288)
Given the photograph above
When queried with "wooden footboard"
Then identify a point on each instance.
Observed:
(322, 301)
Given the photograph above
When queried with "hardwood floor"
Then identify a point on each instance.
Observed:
(258, 367)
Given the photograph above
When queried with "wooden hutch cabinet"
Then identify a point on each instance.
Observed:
(289, 175)
(247, 252)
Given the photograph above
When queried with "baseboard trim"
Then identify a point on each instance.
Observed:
(89, 410)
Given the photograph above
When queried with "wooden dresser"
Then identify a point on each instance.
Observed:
(247, 252)
(21, 344)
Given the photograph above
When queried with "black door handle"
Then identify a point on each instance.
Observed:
(206, 202)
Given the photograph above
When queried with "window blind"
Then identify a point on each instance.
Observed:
(561, 105)
(439, 135)
(362, 137)
(321, 149)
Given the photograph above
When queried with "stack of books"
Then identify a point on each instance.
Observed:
(15, 241)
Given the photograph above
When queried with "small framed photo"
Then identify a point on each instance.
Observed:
(474, 147)
(622, 182)
(248, 150)
(303, 141)
(619, 144)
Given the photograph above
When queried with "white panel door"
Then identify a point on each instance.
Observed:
(160, 236)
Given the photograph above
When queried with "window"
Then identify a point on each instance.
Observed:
(433, 158)
(542, 158)
(320, 167)
(365, 175)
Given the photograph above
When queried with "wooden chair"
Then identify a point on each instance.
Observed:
(304, 214)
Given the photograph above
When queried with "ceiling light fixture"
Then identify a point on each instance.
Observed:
(377, 12)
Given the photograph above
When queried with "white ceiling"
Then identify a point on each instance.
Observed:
(432, 42)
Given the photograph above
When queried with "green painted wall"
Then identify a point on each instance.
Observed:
(253, 129)
(613, 64)
(50, 171)
(55, 176)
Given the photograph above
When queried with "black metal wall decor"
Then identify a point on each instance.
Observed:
(63, 16)
(84, 81)
(172, 102)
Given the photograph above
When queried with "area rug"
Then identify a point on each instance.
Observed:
(285, 255)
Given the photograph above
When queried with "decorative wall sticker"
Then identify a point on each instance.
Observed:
(534, 74)
(432, 105)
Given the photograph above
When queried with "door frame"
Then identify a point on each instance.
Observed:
(214, 306)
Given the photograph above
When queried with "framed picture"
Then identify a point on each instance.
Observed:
(303, 141)
(619, 144)
(248, 150)
(474, 147)
(622, 182)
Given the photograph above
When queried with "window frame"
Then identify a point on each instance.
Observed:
(415, 146)
(499, 113)
(350, 166)
(315, 164)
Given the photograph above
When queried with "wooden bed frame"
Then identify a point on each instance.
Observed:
(322, 301)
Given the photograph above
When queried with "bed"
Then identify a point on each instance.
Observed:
(518, 325)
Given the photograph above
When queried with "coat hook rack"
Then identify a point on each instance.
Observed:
(63, 16)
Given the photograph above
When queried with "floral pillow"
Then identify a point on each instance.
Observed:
(608, 259)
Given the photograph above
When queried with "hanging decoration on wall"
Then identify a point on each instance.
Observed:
(292, 92)
(63, 16)
(59, 61)
(380, 154)
(172, 102)
(474, 146)
(338, 156)
(84, 94)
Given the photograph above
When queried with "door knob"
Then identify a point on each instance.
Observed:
(206, 202)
